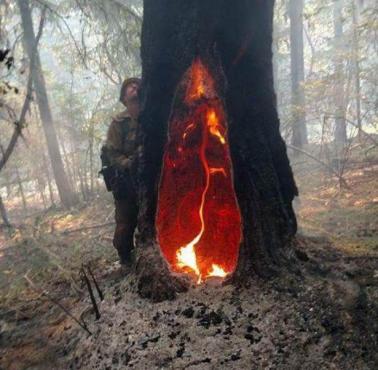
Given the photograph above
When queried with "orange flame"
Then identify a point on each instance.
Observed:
(188, 192)
(186, 257)
(190, 259)
(213, 123)
(217, 271)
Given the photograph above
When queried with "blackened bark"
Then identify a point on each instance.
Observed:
(234, 39)
(263, 179)
(65, 192)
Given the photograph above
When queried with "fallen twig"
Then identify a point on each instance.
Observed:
(69, 231)
(100, 294)
(93, 300)
(45, 294)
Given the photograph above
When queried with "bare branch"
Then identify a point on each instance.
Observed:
(45, 294)
(20, 123)
(93, 300)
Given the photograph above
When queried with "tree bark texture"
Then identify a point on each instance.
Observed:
(234, 39)
(299, 137)
(65, 192)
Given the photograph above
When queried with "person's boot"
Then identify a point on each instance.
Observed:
(127, 261)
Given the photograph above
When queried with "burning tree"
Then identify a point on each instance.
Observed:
(215, 183)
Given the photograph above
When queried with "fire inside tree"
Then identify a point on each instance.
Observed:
(198, 220)
(215, 184)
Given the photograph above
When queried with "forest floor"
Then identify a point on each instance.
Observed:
(324, 317)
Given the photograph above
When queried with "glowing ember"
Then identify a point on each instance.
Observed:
(188, 129)
(198, 220)
(218, 170)
(213, 123)
(217, 271)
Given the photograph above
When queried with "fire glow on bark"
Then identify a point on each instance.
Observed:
(198, 219)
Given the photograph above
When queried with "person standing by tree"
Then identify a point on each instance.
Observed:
(120, 153)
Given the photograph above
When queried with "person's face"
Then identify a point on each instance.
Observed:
(131, 94)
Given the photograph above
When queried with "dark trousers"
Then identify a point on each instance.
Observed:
(126, 214)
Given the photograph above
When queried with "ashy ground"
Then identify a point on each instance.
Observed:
(324, 316)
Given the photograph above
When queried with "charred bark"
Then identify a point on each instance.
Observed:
(234, 40)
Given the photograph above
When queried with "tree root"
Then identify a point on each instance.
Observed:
(154, 279)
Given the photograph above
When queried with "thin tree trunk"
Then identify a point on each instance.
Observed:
(299, 137)
(75, 172)
(49, 181)
(21, 190)
(91, 164)
(65, 192)
(3, 213)
(340, 122)
(80, 171)
(41, 189)
(86, 173)
(357, 70)
(9, 190)
(7, 184)
(70, 166)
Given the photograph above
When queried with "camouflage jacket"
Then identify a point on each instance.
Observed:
(121, 140)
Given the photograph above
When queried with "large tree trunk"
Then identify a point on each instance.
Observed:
(299, 137)
(234, 40)
(66, 194)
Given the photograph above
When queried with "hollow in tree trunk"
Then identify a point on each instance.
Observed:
(215, 184)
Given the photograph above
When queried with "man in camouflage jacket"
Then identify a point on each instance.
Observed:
(121, 147)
